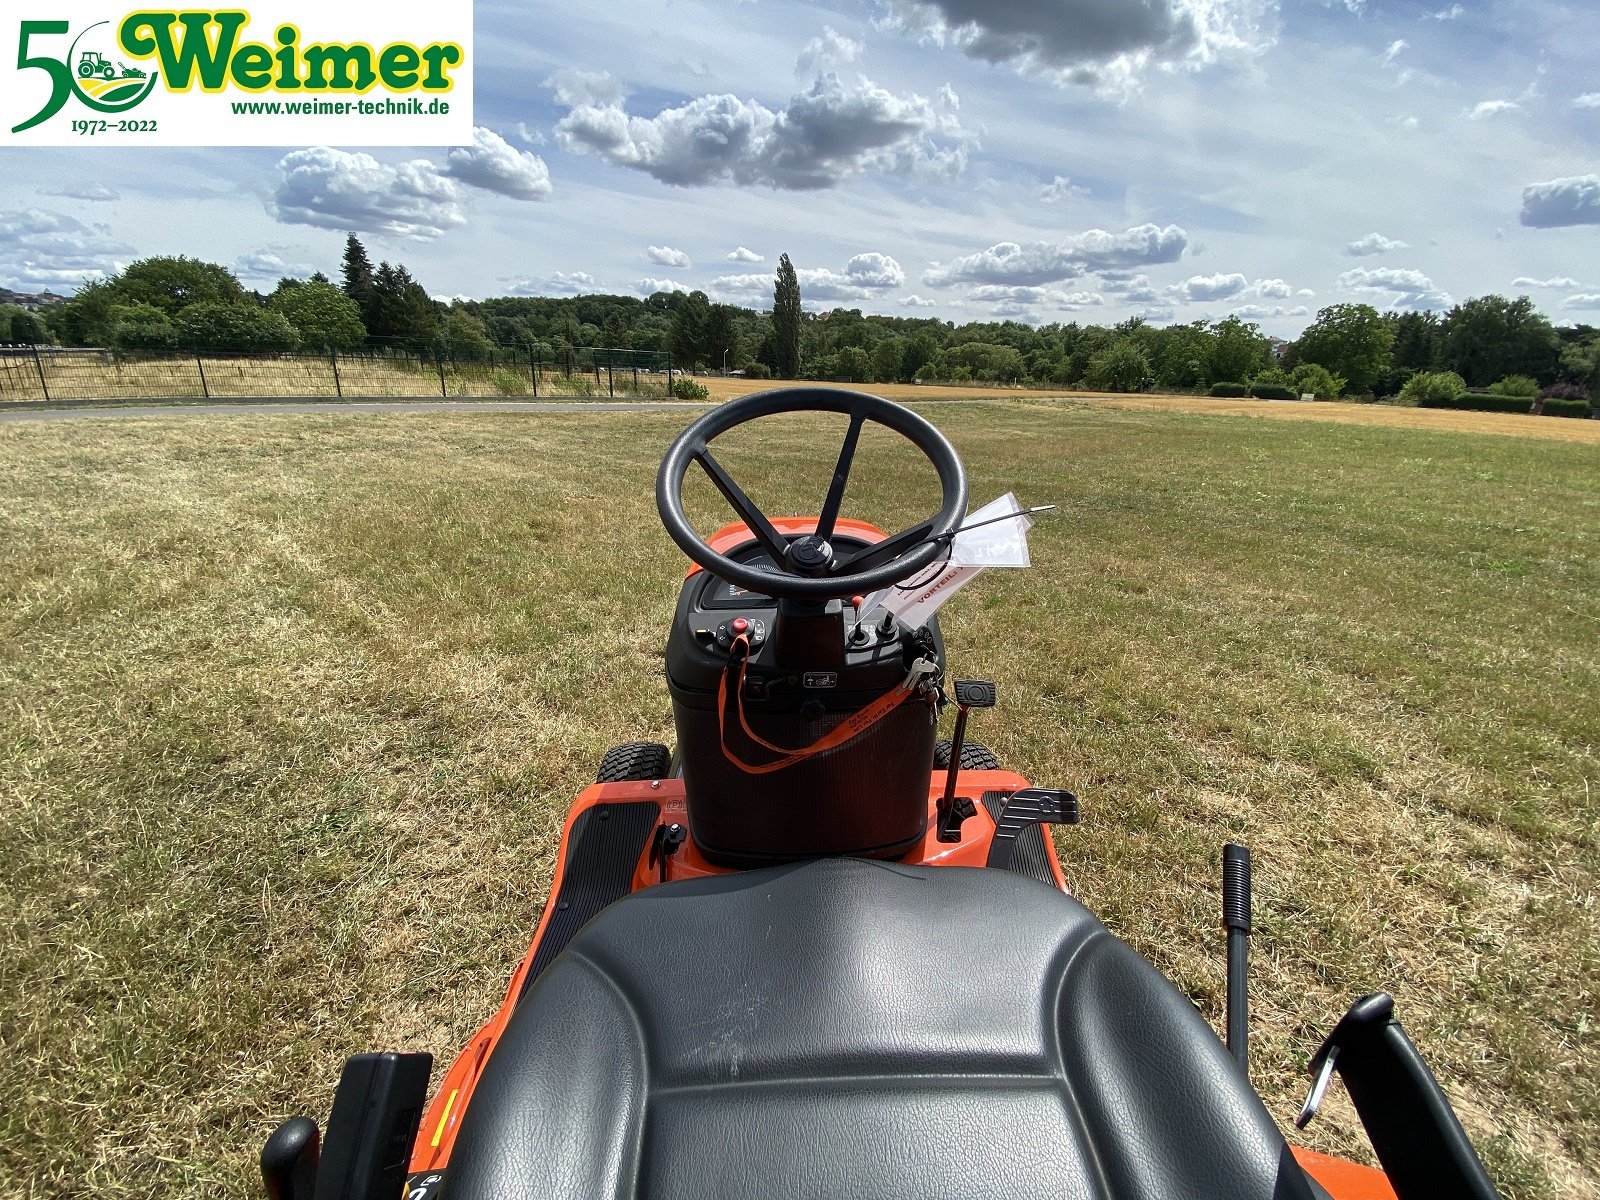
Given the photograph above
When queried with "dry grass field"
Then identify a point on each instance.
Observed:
(291, 708)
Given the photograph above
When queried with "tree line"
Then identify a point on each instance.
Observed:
(164, 303)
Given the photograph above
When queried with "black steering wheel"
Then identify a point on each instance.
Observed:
(808, 570)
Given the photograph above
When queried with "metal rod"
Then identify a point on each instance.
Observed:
(957, 737)
(1236, 919)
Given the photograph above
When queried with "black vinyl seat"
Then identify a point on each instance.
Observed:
(844, 1028)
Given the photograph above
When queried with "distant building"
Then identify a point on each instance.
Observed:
(31, 301)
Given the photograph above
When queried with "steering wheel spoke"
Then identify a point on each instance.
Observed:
(841, 476)
(885, 551)
(755, 520)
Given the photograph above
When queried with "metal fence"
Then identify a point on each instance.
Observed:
(55, 374)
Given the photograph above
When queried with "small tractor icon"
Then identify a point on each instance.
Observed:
(92, 62)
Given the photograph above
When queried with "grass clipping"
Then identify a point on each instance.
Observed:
(293, 707)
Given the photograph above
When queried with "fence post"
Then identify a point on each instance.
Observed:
(338, 386)
(444, 391)
(533, 371)
(205, 387)
(611, 382)
(669, 373)
(39, 363)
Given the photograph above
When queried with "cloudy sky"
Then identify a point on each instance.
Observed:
(1044, 160)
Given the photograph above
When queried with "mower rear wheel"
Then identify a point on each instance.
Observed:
(975, 756)
(634, 762)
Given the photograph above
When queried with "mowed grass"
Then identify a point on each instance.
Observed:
(291, 708)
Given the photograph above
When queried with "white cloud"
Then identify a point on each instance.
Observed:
(826, 134)
(574, 89)
(648, 287)
(1061, 188)
(98, 192)
(1201, 288)
(865, 277)
(1584, 300)
(918, 302)
(1558, 202)
(338, 189)
(494, 165)
(1272, 289)
(532, 136)
(1396, 48)
(559, 283)
(1447, 14)
(1561, 283)
(270, 264)
(1587, 100)
(666, 256)
(874, 270)
(832, 49)
(1105, 44)
(1406, 289)
(1018, 299)
(1263, 312)
(1373, 243)
(1052, 262)
(744, 254)
(1491, 108)
(40, 250)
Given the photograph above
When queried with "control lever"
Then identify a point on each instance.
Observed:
(953, 810)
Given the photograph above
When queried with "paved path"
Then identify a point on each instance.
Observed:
(340, 406)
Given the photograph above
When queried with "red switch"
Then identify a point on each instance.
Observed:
(739, 625)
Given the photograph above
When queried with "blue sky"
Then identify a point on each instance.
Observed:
(1043, 160)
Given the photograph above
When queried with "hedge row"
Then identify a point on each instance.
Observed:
(1267, 391)
(1229, 389)
(1484, 402)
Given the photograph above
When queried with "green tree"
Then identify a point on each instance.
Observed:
(142, 327)
(359, 283)
(243, 326)
(851, 364)
(322, 314)
(85, 320)
(688, 335)
(1238, 350)
(1352, 341)
(172, 284)
(722, 336)
(1120, 367)
(887, 356)
(1490, 337)
(465, 336)
(786, 321)
(402, 311)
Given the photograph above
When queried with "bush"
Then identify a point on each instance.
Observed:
(1122, 367)
(1566, 391)
(684, 388)
(1516, 385)
(758, 370)
(1314, 379)
(508, 384)
(221, 326)
(1568, 408)
(1273, 391)
(1433, 389)
(1488, 402)
(1229, 389)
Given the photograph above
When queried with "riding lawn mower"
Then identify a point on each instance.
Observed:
(816, 952)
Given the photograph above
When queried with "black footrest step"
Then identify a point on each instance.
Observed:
(602, 851)
(1019, 843)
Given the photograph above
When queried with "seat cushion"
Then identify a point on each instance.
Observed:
(844, 1028)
